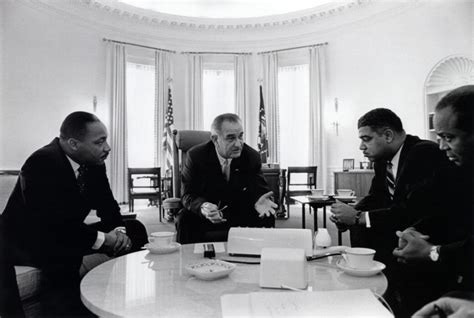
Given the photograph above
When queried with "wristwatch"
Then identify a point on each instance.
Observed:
(357, 217)
(434, 253)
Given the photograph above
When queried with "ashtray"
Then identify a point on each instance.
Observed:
(210, 269)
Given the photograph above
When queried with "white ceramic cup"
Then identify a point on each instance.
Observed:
(161, 239)
(344, 192)
(359, 257)
(317, 192)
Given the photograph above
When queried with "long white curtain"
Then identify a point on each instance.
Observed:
(162, 82)
(270, 96)
(194, 119)
(316, 141)
(242, 86)
(218, 94)
(293, 100)
(118, 135)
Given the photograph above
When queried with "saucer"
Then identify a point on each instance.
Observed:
(318, 197)
(210, 269)
(376, 268)
(347, 197)
(174, 246)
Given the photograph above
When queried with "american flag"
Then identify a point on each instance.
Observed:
(262, 131)
(168, 136)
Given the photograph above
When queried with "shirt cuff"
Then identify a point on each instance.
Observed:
(367, 219)
(99, 240)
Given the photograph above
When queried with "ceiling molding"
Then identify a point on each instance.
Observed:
(185, 23)
(123, 22)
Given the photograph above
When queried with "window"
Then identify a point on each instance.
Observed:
(218, 91)
(293, 98)
(140, 115)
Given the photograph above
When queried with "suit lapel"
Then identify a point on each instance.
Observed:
(402, 162)
(66, 172)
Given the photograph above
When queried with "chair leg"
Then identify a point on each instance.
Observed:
(130, 205)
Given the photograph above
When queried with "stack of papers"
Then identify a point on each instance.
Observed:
(340, 303)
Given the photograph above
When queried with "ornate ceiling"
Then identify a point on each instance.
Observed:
(241, 34)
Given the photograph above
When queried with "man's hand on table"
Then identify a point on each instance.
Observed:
(117, 243)
(212, 212)
(343, 213)
(265, 206)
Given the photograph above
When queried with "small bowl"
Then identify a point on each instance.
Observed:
(210, 270)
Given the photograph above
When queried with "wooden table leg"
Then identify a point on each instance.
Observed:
(324, 216)
(303, 214)
(315, 218)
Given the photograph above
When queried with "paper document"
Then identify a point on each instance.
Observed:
(339, 303)
(218, 247)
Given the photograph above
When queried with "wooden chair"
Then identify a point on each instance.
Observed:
(296, 186)
(144, 183)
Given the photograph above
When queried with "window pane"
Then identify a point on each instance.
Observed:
(293, 95)
(141, 115)
(218, 94)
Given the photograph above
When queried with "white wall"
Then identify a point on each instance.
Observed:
(52, 68)
(55, 66)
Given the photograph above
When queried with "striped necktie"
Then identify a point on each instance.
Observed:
(81, 179)
(226, 170)
(390, 179)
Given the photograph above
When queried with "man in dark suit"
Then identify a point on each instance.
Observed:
(404, 165)
(223, 186)
(447, 240)
(58, 186)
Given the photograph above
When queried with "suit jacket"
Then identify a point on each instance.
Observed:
(419, 161)
(451, 226)
(45, 212)
(203, 181)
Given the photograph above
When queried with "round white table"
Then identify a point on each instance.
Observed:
(144, 284)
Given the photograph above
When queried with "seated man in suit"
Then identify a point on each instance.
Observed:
(223, 186)
(58, 186)
(403, 165)
(445, 240)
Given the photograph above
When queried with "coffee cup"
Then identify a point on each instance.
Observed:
(317, 192)
(161, 239)
(345, 192)
(359, 257)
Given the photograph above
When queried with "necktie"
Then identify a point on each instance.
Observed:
(226, 169)
(81, 179)
(390, 179)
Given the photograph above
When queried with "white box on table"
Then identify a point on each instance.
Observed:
(283, 266)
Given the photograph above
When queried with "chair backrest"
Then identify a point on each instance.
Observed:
(152, 174)
(310, 173)
(183, 140)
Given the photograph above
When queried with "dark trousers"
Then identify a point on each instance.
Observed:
(10, 304)
(60, 292)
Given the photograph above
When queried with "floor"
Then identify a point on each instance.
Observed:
(149, 216)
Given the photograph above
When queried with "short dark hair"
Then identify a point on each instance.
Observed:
(461, 101)
(75, 125)
(379, 119)
(216, 127)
